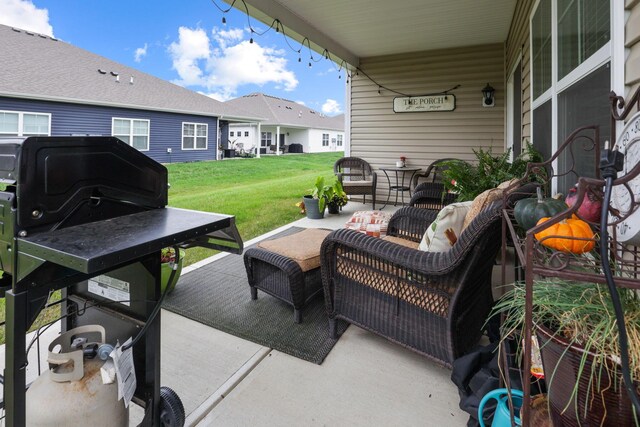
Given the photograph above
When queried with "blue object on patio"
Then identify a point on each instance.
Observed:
(502, 415)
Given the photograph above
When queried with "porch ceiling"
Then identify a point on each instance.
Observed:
(363, 28)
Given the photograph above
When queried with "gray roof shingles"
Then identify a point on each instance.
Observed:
(39, 67)
(279, 111)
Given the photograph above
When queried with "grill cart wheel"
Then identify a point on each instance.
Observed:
(171, 408)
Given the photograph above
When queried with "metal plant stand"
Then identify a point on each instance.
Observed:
(537, 261)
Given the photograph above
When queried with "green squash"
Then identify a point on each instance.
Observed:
(529, 211)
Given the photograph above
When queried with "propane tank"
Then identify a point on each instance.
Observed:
(71, 391)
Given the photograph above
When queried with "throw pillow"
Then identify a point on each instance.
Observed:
(373, 223)
(446, 228)
(485, 198)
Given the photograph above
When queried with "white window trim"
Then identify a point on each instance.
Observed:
(21, 122)
(328, 139)
(131, 119)
(603, 55)
(509, 119)
(206, 145)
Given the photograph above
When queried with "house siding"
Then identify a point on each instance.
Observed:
(381, 136)
(165, 128)
(632, 43)
(517, 47)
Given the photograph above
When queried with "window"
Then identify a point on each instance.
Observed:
(339, 140)
(134, 132)
(541, 48)
(571, 75)
(194, 136)
(325, 139)
(231, 133)
(265, 141)
(583, 28)
(15, 123)
(246, 133)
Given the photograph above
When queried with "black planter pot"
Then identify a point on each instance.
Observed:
(312, 208)
(333, 208)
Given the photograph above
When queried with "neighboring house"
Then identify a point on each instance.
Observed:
(286, 122)
(552, 64)
(49, 87)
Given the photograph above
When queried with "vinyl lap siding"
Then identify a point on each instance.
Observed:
(165, 128)
(632, 42)
(381, 136)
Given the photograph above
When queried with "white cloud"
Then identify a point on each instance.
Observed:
(25, 15)
(229, 64)
(140, 53)
(331, 106)
(192, 46)
(300, 102)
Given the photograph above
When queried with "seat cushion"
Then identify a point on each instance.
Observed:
(357, 183)
(400, 241)
(302, 247)
(444, 231)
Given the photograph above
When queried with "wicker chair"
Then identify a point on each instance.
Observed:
(434, 303)
(431, 194)
(357, 177)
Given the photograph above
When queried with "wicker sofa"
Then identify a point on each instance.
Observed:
(434, 303)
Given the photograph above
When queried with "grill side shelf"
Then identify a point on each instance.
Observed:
(101, 245)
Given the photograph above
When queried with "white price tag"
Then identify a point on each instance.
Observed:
(125, 372)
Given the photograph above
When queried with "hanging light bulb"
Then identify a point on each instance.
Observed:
(299, 59)
(309, 64)
(251, 40)
(224, 20)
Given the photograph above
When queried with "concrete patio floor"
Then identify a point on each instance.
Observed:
(365, 380)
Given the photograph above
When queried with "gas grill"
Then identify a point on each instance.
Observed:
(78, 208)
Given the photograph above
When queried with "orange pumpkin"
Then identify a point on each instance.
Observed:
(571, 229)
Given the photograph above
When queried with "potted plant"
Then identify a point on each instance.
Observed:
(316, 202)
(575, 327)
(470, 180)
(167, 260)
(337, 198)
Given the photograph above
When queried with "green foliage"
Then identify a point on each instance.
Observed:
(488, 172)
(333, 193)
(582, 314)
(339, 197)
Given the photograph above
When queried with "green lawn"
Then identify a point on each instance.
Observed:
(261, 193)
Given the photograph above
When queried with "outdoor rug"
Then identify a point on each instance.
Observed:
(217, 295)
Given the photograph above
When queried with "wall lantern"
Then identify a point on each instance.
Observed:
(487, 96)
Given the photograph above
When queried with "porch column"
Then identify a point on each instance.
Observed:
(277, 140)
(258, 144)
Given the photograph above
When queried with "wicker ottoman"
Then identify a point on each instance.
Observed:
(287, 268)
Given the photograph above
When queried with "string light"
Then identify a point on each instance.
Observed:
(326, 55)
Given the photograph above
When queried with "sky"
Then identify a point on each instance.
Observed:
(186, 43)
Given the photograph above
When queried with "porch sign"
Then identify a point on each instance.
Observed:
(420, 104)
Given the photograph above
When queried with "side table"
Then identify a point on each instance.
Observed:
(400, 187)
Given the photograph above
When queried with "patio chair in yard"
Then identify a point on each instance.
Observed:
(431, 194)
(434, 303)
(357, 177)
